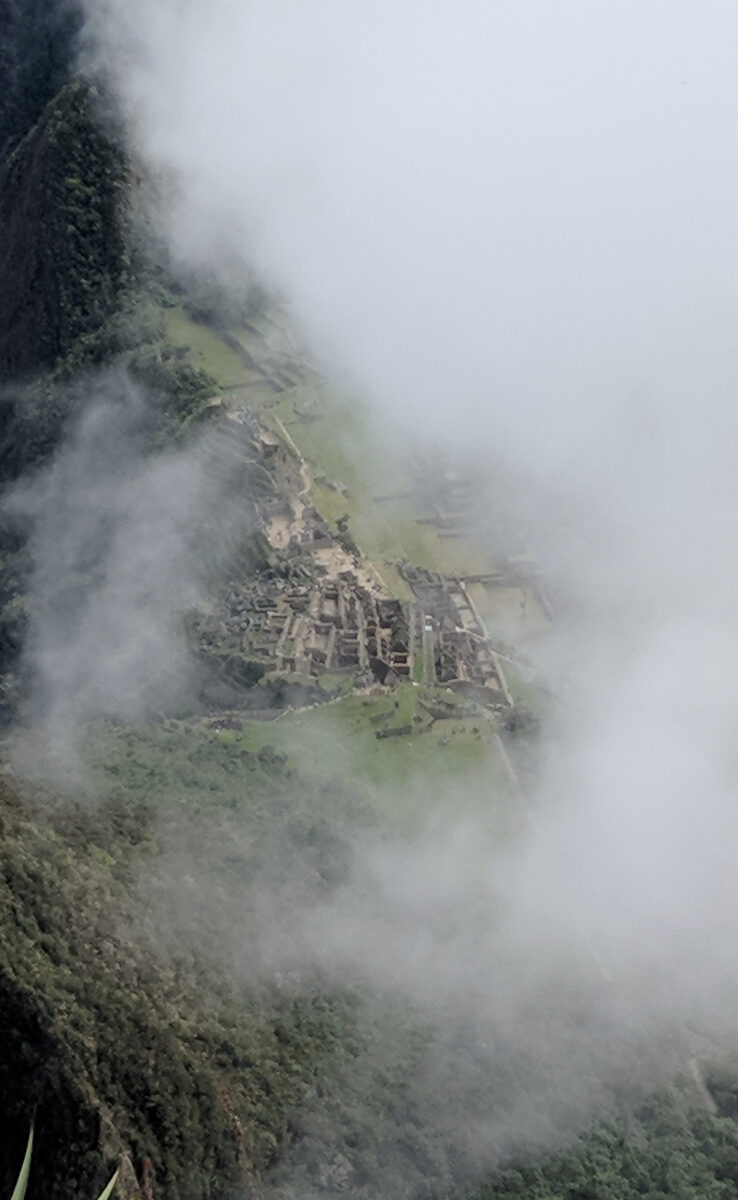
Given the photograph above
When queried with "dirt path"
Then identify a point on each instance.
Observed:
(282, 528)
(335, 558)
(695, 1071)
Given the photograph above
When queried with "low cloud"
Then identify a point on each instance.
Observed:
(513, 227)
(124, 540)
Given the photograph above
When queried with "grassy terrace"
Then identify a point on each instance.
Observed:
(452, 767)
(357, 471)
(352, 461)
(449, 771)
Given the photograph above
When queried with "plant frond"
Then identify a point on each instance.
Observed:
(108, 1191)
(19, 1190)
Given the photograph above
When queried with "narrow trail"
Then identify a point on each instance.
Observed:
(281, 528)
(695, 1071)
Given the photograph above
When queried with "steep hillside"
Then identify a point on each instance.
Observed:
(116, 1045)
(63, 252)
(36, 47)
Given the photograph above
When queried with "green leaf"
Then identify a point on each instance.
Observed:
(19, 1190)
(109, 1189)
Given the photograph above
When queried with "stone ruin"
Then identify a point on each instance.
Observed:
(298, 622)
(460, 650)
(302, 616)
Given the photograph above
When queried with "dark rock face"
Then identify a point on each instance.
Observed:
(37, 40)
(63, 256)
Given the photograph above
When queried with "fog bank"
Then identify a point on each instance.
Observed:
(513, 226)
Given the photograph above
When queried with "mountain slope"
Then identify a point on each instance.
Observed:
(36, 47)
(63, 254)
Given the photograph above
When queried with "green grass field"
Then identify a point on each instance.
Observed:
(350, 467)
(441, 770)
(351, 459)
(447, 768)
(206, 349)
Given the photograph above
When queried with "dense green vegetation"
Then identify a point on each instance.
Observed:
(36, 46)
(663, 1150)
(144, 1010)
(63, 247)
(117, 1042)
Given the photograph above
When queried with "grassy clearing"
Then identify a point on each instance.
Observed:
(513, 613)
(350, 467)
(326, 758)
(449, 768)
(351, 459)
(525, 690)
(206, 349)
